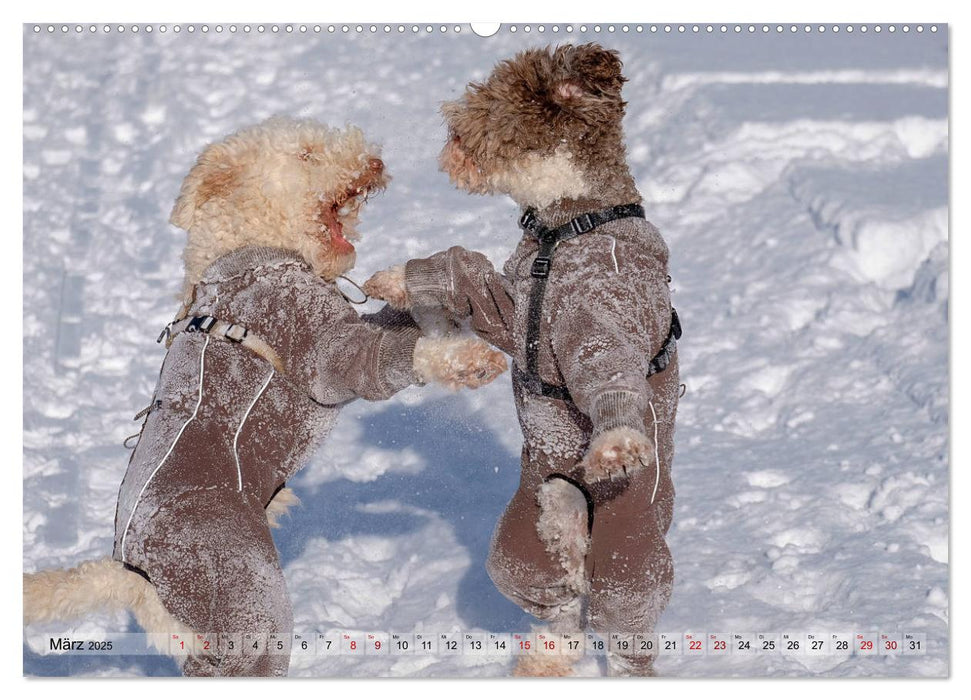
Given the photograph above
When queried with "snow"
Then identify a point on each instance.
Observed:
(801, 182)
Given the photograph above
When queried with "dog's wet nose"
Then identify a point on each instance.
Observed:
(375, 165)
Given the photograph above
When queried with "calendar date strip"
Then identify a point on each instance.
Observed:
(359, 643)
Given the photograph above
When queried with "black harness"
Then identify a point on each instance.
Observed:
(548, 240)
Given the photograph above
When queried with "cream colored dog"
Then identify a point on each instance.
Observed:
(270, 214)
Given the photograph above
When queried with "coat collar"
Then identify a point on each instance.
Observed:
(249, 258)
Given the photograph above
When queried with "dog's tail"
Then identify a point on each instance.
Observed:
(104, 584)
(281, 503)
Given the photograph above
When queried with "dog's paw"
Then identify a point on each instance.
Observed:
(617, 455)
(389, 285)
(458, 362)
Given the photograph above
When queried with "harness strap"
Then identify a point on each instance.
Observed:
(548, 240)
(223, 330)
(658, 364)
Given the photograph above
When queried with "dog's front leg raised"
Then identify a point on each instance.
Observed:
(389, 285)
(442, 355)
(617, 454)
(457, 361)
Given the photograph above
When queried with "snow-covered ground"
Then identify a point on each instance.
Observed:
(801, 181)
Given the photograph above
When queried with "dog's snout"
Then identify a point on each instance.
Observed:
(375, 165)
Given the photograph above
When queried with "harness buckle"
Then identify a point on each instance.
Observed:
(528, 220)
(583, 224)
(236, 333)
(541, 268)
(200, 323)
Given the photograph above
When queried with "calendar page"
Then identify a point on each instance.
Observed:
(549, 349)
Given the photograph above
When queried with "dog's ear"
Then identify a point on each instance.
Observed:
(214, 175)
(184, 210)
(591, 71)
(568, 91)
(599, 66)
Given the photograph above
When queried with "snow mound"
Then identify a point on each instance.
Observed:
(887, 220)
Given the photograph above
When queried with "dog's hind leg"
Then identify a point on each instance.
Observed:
(215, 567)
(537, 561)
(563, 527)
(633, 570)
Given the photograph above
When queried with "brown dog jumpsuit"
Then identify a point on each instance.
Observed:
(605, 315)
(226, 430)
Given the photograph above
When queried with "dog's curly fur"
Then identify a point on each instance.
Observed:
(553, 129)
(280, 183)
